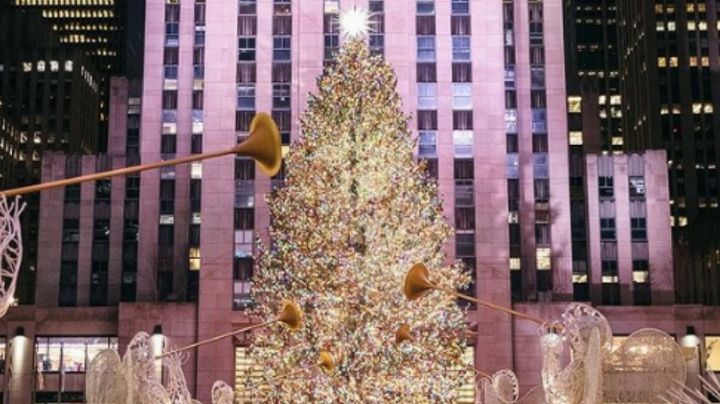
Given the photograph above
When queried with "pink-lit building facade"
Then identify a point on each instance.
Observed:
(171, 251)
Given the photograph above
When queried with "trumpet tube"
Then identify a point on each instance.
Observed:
(263, 145)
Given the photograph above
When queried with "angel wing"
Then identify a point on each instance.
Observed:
(11, 250)
(222, 393)
(105, 380)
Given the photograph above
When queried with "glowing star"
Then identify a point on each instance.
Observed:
(355, 23)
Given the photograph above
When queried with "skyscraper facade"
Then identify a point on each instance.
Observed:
(171, 251)
(668, 51)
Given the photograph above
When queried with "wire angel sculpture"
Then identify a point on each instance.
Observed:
(11, 250)
(134, 379)
(640, 370)
(503, 388)
(682, 394)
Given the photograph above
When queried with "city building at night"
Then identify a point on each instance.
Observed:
(170, 252)
(668, 51)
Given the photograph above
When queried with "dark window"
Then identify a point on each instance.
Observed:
(68, 283)
(166, 235)
(463, 169)
(244, 169)
(169, 100)
(605, 186)
(638, 228)
(462, 120)
(426, 73)
(244, 219)
(71, 230)
(607, 229)
(465, 218)
(281, 96)
(196, 144)
(168, 144)
(281, 48)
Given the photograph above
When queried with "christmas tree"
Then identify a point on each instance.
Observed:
(356, 212)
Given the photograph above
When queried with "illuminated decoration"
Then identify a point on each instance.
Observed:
(644, 367)
(354, 23)
(683, 395)
(135, 379)
(355, 212)
(11, 250)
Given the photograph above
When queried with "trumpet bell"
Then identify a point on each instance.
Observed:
(291, 315)
(417, 282)
(326, 362)
(403, 334)
(263, 144)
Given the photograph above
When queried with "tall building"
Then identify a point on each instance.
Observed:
(108, 32)
(9, 151)
(670, 100)
(170, 251)
(51, 95)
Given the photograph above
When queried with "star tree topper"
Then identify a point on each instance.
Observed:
(355, 23)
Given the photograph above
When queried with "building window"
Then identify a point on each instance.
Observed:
(638, 228)
(68, 283)
(69, 354)
(607, 229)
(246, 97)
(281, 96)
(427, 96)
(543, 258)
(460, 7)
(242, 280)
(247, 7)
(246, 49)
(425, 48)
(605, 187)
(428, 144)
(462, 96)
(462, 143)
(637, 187)
(461, 48)
(425, 7)
(281, 48)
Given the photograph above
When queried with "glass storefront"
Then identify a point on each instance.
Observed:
(69, 354)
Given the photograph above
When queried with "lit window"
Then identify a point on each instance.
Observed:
(662, 62)
(425, 48)
(575, 104)
(708, 108)
(659, 26)
(194, 259)
(712, 352)
(602, 100)
(427, 96)
(462, 96)
(331, 6)
(697, 108)
(196, 170)
(615, 99)
(54, 66)
(462, 141)
(641, 276)
(514, 264)
(427, 144)
(41, 66)
(617, 141)
(68, 65)
(576, 138)
(691, 26)
(579, 278)
(610, 279)
(682, 221)
(167, 219)
(281, 48)
(27, 66)
(461, 48)
(246, 97)
(673, 61)
(543, 258)
(671, 26)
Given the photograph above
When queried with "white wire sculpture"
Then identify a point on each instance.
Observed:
(643, 369)
(11, 250)
(501, 388)
(681, 394)
(134, 379)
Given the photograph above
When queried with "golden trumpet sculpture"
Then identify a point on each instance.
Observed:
(326, 362)
(404, 334)
(263, 145)
(291, 316)
(418, 284)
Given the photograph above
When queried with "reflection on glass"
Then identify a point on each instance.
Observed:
(68, 354)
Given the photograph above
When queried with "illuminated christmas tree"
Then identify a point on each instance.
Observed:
(356, 212)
